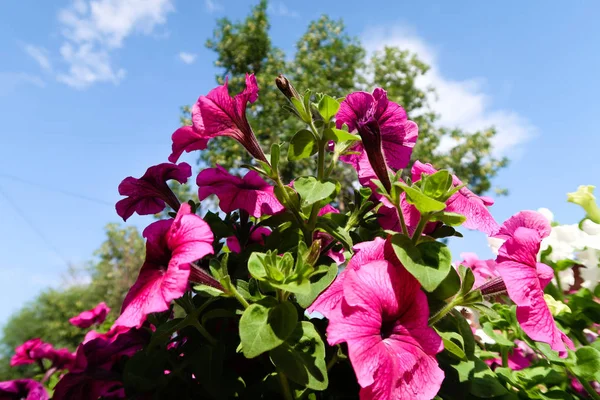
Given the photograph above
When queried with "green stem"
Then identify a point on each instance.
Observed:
(285, 386)
(333, 360)
(559, 286)
(314, 212)
(588, 388)
(420, 228)
(295, 212)
(504, 353)
(444, 311)
(239, 297)
(204, 332)
(401, 217)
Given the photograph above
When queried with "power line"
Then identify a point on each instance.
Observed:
(32, 226)
(57, 190)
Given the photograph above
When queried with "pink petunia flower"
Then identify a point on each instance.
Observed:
(148, 194)
(464, 202)
(92, 375)
(31, 351)
(257, 235)
(250, 193)
(484, 270)
(22, 389)
(95, 316)
(326, 239)
(519, 358)
(525, 278)
(380, 311)
(219, 114)
(170, 248)
(388, 137)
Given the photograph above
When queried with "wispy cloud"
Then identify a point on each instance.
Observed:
(282, 10)
(212, 6)
(94, 29)
(40, 55)
(9, 81)
(188, 58)
(460, 103)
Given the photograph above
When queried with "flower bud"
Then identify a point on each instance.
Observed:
(584, 196)
(371, 139)
(493, 287)
(286, 87)
(313, 253)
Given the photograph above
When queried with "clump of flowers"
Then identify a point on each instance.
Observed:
(293, 292)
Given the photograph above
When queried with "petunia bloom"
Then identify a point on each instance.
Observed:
(148, 194)
(388, 137)
(464, 202)
(95, 316)
(31, 351)
(380, 311)
(525, 278)
(22, 389)
(93, 375)
(483, 270)
(170, 248)
(219, 114)
(250, 193)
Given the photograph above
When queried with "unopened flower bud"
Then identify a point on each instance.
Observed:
(493, 287)
(371, 139)
(314, 252)
(286, 87)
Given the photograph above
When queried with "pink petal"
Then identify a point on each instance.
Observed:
(186, 139)
(525, 219)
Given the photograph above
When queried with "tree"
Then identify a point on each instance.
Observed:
(328, 59)
(118, 262)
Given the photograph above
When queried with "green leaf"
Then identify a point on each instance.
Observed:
(312, 191)
(449, 218)
(275, 154)
(328, 107)
(208, 291)
(302, 357)
(453, 343)
(449, 286)
(335, 225)
(266, 325)
(587, 364)
(318, 286)
(424, 203)
(293, 202)
(302, 145)
(485, 383)
(339, 136)
(467, 279)
(299, 105)
(436, 185)
(429, 261)
(497, 337)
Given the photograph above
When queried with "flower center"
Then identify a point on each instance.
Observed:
(387, 328)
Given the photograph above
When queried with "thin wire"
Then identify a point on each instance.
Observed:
(33, 227)
(53, 189)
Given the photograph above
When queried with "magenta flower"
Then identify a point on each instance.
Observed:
(170, 248)
(257, 235)
(148, 194)
(31, 351)
(219, 114)
(484, 270)
(326, 239)
(525, 278)
(380, 311)
(95, 316)
(519, 358)
(388, 137)
(250, 193)
(94, 375)
(62, 359)
(22, 389)
(464, 202)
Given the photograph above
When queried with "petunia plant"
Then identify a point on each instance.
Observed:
(293, 291)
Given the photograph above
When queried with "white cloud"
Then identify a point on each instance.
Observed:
(282, 10)
(9, 81)
(460, 103)
(212, 6)
(40, 55)
(187, 58)
(93, 29)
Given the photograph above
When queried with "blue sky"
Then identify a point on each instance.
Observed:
(90, 93)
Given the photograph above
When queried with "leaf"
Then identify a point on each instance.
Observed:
(449, 218)
(467, 279)
(208, 291)
(317, 287)
(449, 286)
(265, 325)
(292, 202)
(424, 203)
(339, 136)
(335, 225)
(302, 357)
(587, 364)
(328, 107)
(485, 383)
(436, 185)
(275, 154)
(497, 337)
(312, 191)
(429, 261)
(450, 340)
(302, 145)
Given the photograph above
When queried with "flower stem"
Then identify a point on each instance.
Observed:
(401, 216)
(204, 332)
(314, 212)
(420, 227)
(588, 388)
(504, 353)
(559, 289)
(444, 311)
(285, 386)
(332, 361)
(239, 297)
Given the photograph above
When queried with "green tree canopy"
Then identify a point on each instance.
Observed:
(329, 60)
